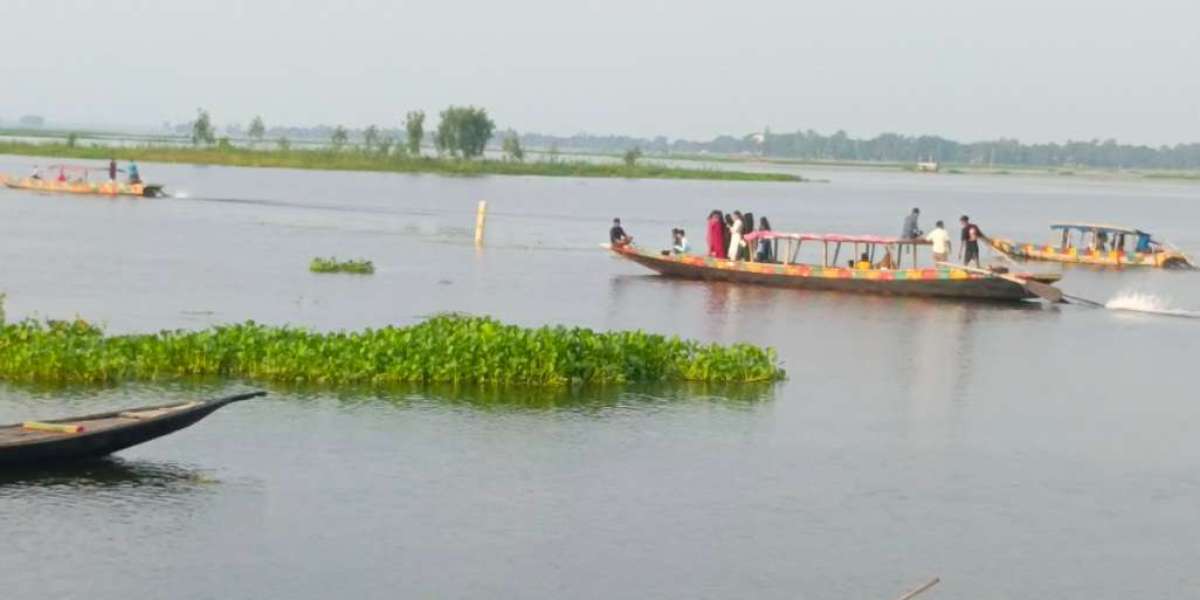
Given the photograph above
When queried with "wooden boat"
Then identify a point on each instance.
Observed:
(106, 188)
(884, 276)
(1094, 244)
(92, 436)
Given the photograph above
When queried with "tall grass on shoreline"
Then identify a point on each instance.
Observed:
(359, 160)
(443, 349)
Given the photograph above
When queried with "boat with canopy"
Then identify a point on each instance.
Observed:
(76, 179)
(850, 263)
(1098, 244)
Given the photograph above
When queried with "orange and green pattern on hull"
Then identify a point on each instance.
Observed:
(107, 188)
(934, 282)
(1090, 256)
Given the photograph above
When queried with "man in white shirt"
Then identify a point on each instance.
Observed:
(941, 242)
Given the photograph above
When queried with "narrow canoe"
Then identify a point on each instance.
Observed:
(938, 282)
(102, 434)
(107, 188)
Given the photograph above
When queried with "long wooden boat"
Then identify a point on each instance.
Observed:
(105, 188)
(940, 281)
(92, 436)
(1102, 245)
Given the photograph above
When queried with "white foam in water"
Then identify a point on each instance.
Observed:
(1147, 303)
(179, 194)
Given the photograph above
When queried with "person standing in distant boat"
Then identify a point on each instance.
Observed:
(617, 235)
(764, 251)
(727, 233)
(736, 243)
(680, 245)
(970, 241)
(716, 238)
(911, 229)
(112, 170)
(134, 176)
(940, 241)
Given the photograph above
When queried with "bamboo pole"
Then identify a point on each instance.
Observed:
(922, 588)
(480, 220)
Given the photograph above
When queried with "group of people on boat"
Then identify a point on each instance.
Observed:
(939, 238)
(727, 236)
(134, 175)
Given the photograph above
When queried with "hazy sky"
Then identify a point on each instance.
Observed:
(1036, 70)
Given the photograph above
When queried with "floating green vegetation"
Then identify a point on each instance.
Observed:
(333, 265)
(349, 159)
(444, 349)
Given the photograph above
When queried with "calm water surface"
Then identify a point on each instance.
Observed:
(1016, 452)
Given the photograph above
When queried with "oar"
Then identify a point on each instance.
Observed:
(1044, 291)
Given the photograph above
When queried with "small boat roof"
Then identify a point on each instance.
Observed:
(831, 237)
(1097, 226)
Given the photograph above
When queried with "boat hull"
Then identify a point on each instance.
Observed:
(66, 447)
(108, 188)
(935, 283)
(1087, 256)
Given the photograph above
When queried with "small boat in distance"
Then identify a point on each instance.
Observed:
(1103, 245)
(77, 183)
(93, 436)
(882, 271)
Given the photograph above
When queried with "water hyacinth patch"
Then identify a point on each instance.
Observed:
(443, 349)
(333, 265)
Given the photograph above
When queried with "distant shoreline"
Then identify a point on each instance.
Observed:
(353, 159)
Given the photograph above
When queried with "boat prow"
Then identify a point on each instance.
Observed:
(93, 436)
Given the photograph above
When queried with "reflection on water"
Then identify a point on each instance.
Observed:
(111, 472)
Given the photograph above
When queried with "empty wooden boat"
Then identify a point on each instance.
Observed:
(92, 436)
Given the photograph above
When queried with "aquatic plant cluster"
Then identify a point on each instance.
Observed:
(443, 349)
(333, 265)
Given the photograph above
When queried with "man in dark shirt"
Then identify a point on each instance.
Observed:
(617, 235)
(969, 249)
(911, 230)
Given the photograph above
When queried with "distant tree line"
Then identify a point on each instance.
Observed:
(463, 132)
(891, 147)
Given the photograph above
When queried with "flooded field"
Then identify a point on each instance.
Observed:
(1015, 451)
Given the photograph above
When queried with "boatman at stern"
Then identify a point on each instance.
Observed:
(617, 234)
(970, 241)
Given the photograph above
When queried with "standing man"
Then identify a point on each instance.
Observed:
(941, 242)
(911, 229)
(112, 170)
(970, 241)
(617, 234)
(134, 175)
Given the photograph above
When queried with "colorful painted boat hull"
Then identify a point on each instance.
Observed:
(933, 282)
(1085, 256)
(107, 188)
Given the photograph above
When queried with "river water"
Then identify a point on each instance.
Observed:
(1014, 451)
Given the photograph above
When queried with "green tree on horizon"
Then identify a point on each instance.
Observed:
(511, 146)
(370, 137)
(340, 137)
(464, 131)
(202, 128)
(257, 129)
(414, 125)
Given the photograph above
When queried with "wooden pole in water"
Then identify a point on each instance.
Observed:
(913, 594)
(480, 220)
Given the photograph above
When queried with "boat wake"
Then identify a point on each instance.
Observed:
(1148, 303)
